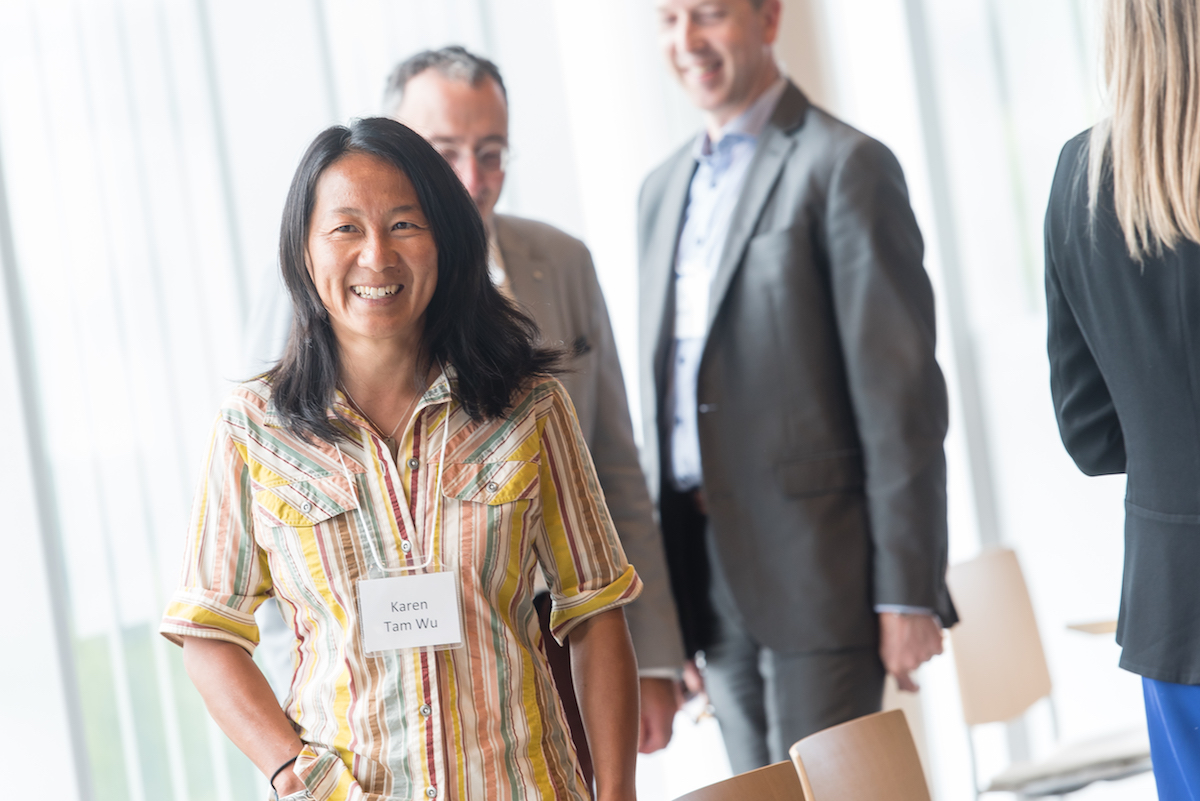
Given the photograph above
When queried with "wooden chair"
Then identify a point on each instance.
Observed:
(872, 758)
(1002, 672)
(777, 782)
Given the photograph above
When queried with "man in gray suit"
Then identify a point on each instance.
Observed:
(789, 383)
(458, 102)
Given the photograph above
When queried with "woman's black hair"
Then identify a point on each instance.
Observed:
(468, 323)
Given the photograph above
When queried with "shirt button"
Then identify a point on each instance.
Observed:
(306, 507)
(413, 464)
(431, 792)
(426, 710)
(405, 546)
(492, 486)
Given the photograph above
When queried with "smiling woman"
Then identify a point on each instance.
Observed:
(405, 565)
(371, 254)
(375, 204)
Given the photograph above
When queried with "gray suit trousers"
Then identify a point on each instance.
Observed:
(766, 700)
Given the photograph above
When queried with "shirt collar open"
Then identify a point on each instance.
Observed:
(442, 389)
(748, 125)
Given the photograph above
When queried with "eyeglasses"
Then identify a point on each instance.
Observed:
(489, 158)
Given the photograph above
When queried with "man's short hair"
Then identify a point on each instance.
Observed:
(454, 62)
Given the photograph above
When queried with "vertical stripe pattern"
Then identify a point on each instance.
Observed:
(275, 515)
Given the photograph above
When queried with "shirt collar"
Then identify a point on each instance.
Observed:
(440, 390)
(748, 125)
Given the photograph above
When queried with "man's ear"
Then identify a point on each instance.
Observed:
(771, 11)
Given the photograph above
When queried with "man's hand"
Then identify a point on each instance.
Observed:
(906, 642)
(660, 701)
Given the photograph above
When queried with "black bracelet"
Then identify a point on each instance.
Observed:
(281, 769)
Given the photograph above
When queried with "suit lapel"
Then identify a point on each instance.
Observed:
(657, 287)
(770, 156)
(519, 266)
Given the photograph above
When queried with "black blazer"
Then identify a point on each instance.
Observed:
(822, 409)
(1124, 344)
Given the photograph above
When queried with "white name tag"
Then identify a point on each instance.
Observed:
(419, 611)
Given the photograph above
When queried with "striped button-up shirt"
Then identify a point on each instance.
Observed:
(275, 515)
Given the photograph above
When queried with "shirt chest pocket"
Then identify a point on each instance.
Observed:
(491, 483)
(307, 503)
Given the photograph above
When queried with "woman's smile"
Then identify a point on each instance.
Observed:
(376, 292)
(371, 254)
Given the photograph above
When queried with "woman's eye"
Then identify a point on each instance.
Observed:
(344, 229)
(404, 225)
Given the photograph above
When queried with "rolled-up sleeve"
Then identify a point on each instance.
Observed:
(225, 576)
(578, 546)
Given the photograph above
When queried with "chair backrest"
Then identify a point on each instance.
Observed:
(777, 782)
(869, 758)
(997, 649)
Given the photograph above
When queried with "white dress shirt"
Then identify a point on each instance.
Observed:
(721, 168)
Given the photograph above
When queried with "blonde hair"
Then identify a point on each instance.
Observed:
(1152, 140)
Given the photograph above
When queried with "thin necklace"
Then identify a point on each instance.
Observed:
(390, 439)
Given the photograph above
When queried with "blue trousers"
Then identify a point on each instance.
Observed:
(1173, 715)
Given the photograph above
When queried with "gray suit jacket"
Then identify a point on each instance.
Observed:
(553, 278)
(822, 409)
